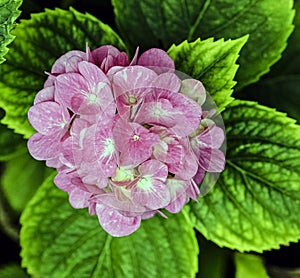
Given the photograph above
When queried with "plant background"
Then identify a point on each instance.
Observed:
(214, 261)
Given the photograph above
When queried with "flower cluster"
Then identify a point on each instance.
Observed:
(127, 138)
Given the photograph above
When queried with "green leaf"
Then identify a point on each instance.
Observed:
(281, 92)
(211, 62)
(256, 201)
(8, 14)
(11, 144)
(40, 41)
(213, 260)
(12, 271)
(281, 87)
(59, 241)
(250, 266)
(21, 178)
(289, 63)
(268, 22)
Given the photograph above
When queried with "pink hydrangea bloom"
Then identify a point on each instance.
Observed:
(128, 138)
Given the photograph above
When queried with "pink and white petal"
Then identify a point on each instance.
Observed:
(92, 74)
(151, 193)
(178, 194)
(212, 160)
(91, 174)
(71, 89)
(135, 154)
(134, 141)
(194, 89)
(155, 169)
(88, 54)
(46, 94)
(188, 166)
(198, 178)
(43, 147)
(63, 180)
(149, 214)
(67, 155)
(135, 57)
(50, 80)
(121, 60)
(105, 149)
(160, 151)
(115, 223)
(112, 71)
(48, 117)
(68, 60)
(167, 81)
(193, 190)
(84, 145)
(156, 59)
(79, 198)
(132, 78)
(175, 153)
(72, 64)
(212, 137)
(138, 151)
(54, 163)
(191, 114)
(101, 53)
(160, 112)
(172, 106)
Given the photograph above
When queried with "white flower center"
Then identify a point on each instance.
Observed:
(132, 99)
(135, 137)
(145, 183)
(92, 99)
(109, 148)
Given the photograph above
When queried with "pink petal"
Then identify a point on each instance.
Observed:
(168, 81)
(194, 89)
(92, 174)
(48, 117)
(135, 57)
(155, 169)
(212, 160)
(156, 59)
(193, 190)
(85, 96)
(69, 89)
(173, 110)
(198, 178)
(79, 198)
(212, 137)
(92, 74)
(187, 167)
(68, 62)
(134, 141)
(63, 180)
(67, 155)
(117, 200)
(105, 149)
(178, 194)
(115, 223)
(121, 59)
(108, 56)
(151, 193)
(130, 85)
(43, 147)
(159, 112)
(46, 94)
(151, 190)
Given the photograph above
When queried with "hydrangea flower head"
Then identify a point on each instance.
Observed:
(128, 138)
